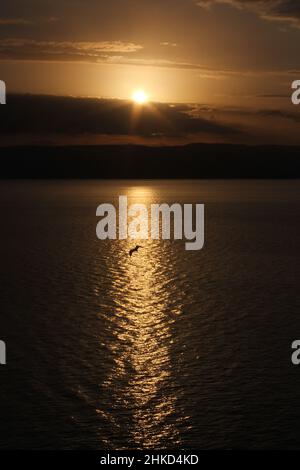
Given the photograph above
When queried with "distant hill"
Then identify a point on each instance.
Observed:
(133, 161)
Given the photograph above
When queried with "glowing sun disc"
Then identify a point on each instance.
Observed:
(140, 97)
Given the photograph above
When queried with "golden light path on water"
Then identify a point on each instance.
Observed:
(139, 384)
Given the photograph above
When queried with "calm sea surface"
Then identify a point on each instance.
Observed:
(166, 349)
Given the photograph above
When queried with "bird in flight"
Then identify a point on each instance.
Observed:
(134, 249)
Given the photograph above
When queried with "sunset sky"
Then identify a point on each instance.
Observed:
(231, 61)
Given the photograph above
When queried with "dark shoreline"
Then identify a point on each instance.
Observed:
(193, 161)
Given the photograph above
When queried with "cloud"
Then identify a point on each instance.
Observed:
(169, 44)
(22, 48)
(15, 21)
(274, 10)
(277, 113)
(40, 115)
(202, 71)
(35, 119)
(26, 21)
(118, 52)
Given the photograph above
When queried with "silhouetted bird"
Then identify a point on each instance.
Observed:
(134, 249)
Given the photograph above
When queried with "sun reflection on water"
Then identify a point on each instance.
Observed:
(139, 383)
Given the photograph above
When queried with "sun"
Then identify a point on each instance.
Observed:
(140, 97)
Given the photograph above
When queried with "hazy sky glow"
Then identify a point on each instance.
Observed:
(226, 54)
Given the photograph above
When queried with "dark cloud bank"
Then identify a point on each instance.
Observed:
(273, 10)
(42, 115)
(35, 119)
